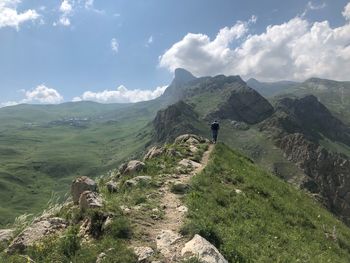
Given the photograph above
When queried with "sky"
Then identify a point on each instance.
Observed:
(126, 50)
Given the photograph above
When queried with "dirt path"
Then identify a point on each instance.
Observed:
(166, 231)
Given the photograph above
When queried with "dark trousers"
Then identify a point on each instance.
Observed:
(215, 135)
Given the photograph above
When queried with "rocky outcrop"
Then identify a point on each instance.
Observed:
(244, 104)
(177, 89)
(204, 251)
(112, 186)
(297, 126)
(36, 232)
(154, 152)
(131, 167)
(173, 121)
(6, 235)
(137, 180)
(80, 185)
(165, 240)
(89, 199)
(309, 117)
(143, 253)
(190, 139)
(329, 172)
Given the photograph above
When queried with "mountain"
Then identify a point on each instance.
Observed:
(221, 208)
(54, 144)
(176, 119)
(335, 95)
(269, 89)
(299, 127)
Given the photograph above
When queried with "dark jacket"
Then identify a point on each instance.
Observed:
(215, 126)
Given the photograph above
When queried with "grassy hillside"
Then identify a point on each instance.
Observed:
(268, 221)
(42, 149)
(249, 214)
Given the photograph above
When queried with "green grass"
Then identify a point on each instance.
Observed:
(270, 221)
(39, 160)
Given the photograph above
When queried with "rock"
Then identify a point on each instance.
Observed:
(101, 257)
(190, 139)
(133, 167)
(154, 152)
(89, 200)
(189, 163)
(36, 232)
(180, 188)
(6, 235)
(126, 210)
(137, 180)
(122, 167)
(80, 185)
(182, 209)
(173, 153)
(165, 240)
(240, 125)
(112, 187)
(203, 250)
(238, 191)
(193, 149)
(143, 253)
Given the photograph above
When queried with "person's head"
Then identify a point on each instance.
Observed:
(215, 121)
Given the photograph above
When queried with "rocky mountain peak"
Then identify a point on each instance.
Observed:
(183, 76)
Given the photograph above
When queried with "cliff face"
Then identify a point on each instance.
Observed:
(329, 172)
(176, 119)
(244, 104)
(297, 127)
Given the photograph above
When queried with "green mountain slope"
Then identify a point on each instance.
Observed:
(42, 148)
(249, 214)
(252, 216)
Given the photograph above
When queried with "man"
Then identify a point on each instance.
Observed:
(215, 130)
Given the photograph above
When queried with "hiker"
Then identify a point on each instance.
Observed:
(215, 130)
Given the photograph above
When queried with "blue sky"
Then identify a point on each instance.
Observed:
(126, 50)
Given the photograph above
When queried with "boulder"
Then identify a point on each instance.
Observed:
(112, 187)
(180, 188)
(137, 180)
(203, 250)
(133, 167)
(190, 139)
(143, 253)
(37, 231)
(89, 199)
(165, 240)
(6, 235)
(189, 163)
(154, 152)
(80, 185)
(122, 167)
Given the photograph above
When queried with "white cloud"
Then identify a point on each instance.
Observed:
(39, 95)
(202, 56)
(149, 41)
(121, 95)
(43, 95)
(66, 9)
(295, 50)
(313, 6)
(346, 12)
(9, 17)
(114, 45)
